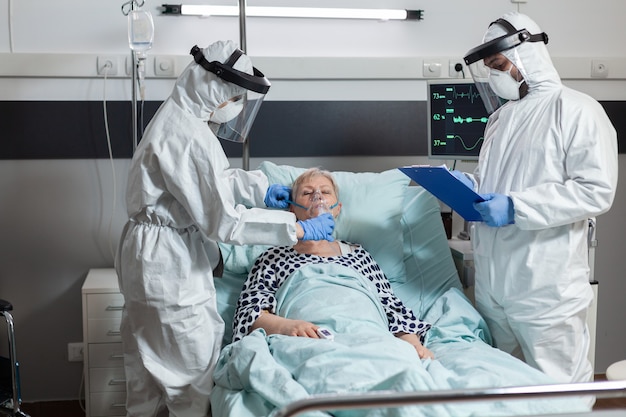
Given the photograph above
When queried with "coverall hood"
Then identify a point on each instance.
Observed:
(531, 58)
(199, 91)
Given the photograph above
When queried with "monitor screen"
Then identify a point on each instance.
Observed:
(457, 119)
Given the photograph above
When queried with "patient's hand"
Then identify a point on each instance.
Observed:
(273, 324)
(414, 340)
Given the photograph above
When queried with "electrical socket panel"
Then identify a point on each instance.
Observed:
(431, 69)
(452, 72)
(164, 66)
(75, 352)
(106, 65)
(599, 69)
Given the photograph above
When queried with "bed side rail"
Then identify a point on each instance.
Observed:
(380, 399)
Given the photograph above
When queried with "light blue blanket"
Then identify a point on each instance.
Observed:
(261, 373)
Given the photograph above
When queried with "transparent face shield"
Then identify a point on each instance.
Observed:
(475, 60)
(244, 111)
(481, 74)
(233, 120)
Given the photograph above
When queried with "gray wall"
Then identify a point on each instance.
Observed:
(61, 217)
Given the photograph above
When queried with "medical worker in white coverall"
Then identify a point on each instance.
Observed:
(547, 165)
(182, 198)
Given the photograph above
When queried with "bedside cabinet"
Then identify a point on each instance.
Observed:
(105, 384)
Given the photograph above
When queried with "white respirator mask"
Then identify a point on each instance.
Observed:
(227, 112)
(504, 85)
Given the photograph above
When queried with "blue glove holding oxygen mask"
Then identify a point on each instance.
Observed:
(318, 228)
(278, 196)
(497, 209)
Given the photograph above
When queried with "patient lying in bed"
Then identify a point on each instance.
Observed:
(266, 367)
(314, 191)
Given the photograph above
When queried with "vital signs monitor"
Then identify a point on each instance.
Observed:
(457, 119)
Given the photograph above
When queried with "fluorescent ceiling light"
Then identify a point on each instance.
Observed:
(305, 12)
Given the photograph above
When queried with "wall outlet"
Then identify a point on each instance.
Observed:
(106, 65)
(75, 352)
(599, 69)
(453, 64)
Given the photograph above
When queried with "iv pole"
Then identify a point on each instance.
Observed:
(133, 81)
(127, 8)
(140, 40)
(245, 156)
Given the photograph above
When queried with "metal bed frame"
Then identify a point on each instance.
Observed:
(382, 399)
(16, 401)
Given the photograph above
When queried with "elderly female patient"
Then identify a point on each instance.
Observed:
(315, 192)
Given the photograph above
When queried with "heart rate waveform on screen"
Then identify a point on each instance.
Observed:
(457, 120)
(454, 93)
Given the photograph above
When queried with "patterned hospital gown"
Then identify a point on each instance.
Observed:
(275, 265)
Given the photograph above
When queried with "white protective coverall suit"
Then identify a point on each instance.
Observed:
(554, 152)
(182, 198)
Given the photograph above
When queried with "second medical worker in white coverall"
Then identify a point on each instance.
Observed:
(182, 198)
(547, 165)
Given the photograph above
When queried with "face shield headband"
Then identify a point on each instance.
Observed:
(474, 59)
(512, 39)
(233, 120)
(257, 82)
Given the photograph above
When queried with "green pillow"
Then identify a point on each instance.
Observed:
(370, 214)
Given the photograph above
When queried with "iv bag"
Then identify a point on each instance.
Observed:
(140, 30)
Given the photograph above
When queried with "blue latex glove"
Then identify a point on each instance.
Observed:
(318, 228)
(497, 209)
(463, 178)
(278, 196)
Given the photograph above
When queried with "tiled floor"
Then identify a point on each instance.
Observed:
(75, 409)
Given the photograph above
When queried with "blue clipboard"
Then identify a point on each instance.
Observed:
(442, 184)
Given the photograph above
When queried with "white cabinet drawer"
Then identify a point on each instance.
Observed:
(103, 330)
(105, 382)
(103, 306)
(103, 404)
(107, 379)
(105, 355)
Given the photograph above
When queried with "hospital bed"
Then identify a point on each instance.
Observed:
(400, 225)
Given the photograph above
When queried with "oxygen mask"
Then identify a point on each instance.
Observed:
(317, 204)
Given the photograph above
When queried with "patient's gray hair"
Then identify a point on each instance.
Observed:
(311, 173)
